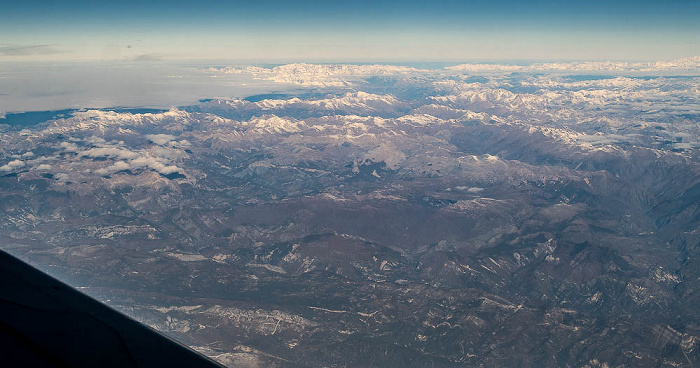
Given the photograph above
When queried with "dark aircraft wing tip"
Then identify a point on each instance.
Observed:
(46, 323)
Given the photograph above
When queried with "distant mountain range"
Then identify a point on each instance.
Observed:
(479, 215)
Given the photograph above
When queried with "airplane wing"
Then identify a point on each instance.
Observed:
(46, 323)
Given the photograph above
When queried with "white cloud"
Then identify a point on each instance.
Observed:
(116, 152)
(97, 141)
(155, 164)
(143, 162)
(68, 146)
(12, 165)
(161, 139)
(116, 167)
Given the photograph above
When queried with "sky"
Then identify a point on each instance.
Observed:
(348, 31)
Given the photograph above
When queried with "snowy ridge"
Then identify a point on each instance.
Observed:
(350, 102)
(550, 113)
(684, 64)
(316, 75)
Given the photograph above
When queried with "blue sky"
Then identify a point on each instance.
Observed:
(441, 30)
